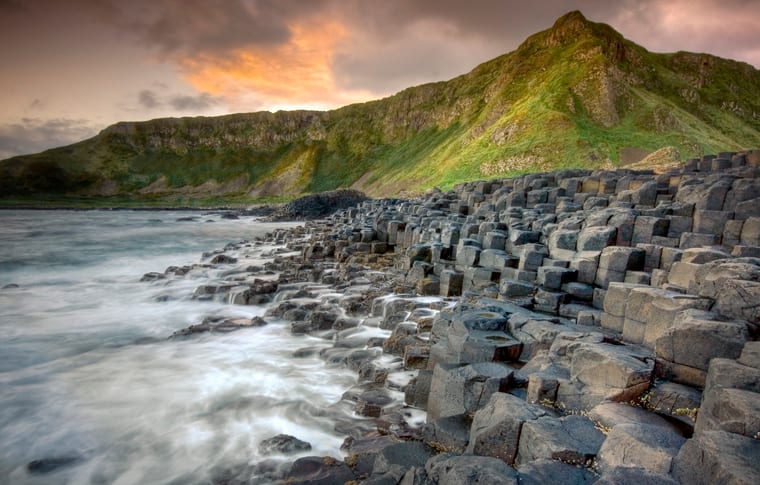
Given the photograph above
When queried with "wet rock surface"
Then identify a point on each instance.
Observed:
(565, 327)
(283, 443)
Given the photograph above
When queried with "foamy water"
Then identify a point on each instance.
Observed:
(89, 378)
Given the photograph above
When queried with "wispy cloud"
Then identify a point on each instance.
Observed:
(150, 99)
(32, 135)
(36, 104)
(201, 102)
(727, 28)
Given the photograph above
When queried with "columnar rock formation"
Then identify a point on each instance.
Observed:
(564, 327)
(586, 289)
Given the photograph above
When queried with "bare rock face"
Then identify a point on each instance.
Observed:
(544, 471)
(733, 410)
(322, 470)
(734, 284)
(610, 372)
(392, 462)
(496, 427)
(463, 389)
(570, 439)
(650, 447)
(698, 336)
(718, 457)
(451, 469)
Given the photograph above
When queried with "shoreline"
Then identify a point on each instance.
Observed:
(241, 209)
(551, 280)
(562, 327)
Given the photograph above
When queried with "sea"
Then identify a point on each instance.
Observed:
(92, 387)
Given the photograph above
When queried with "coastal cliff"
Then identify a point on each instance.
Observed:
(577, 95)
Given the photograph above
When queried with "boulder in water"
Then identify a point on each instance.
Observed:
(283, 443)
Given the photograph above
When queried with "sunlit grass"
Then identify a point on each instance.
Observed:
(570, 105)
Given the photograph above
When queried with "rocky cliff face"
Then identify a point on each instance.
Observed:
(575, 95)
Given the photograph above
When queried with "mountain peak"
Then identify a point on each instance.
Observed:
(574, 18)
(574, 26)
(575, 95)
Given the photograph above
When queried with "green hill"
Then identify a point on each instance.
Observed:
(575, 95)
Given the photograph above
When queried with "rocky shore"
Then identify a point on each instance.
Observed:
(564, 327)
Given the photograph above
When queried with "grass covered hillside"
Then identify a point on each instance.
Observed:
(575, 95)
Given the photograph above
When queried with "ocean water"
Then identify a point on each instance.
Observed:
(92, 390)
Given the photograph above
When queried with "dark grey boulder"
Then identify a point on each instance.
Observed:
(732, 410)
(398, 458)
(610, 414)
(283, 443)
(750, 355)
(676, 400)
(626, 475)
(697, 336)
(319, 470)
(464, 389)
(361, 453)
(448, 434)
(496, 427)
(152, 276)
(417, 391)
(370, 403)
(223, 259)
(571, 439)
(718, 457)
(732, 374)
(453, 469)
(650, 447)
(544, 472)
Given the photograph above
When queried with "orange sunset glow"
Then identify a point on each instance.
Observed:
(294, 74)
(72, 68)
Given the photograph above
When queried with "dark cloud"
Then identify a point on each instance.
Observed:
(32, 135)
(36, 104)
(200, 102)
(216, 26)
(11, 5)
(148, 99)
(392, 44)
(404, 43)
(400, 43)
(194, 26)
(727, 28)
(293, 53)
(492, 19)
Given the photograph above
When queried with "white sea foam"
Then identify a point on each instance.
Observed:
(88, 373)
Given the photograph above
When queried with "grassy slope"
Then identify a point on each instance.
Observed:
(571, 96)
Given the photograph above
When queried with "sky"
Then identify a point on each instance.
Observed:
(72, 67)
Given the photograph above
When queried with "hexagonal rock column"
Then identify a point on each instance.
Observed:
(459, 389)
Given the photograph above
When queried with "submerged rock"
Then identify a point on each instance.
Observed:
(223, 259)
(51, 464)
(220, 324)
(283, 443)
